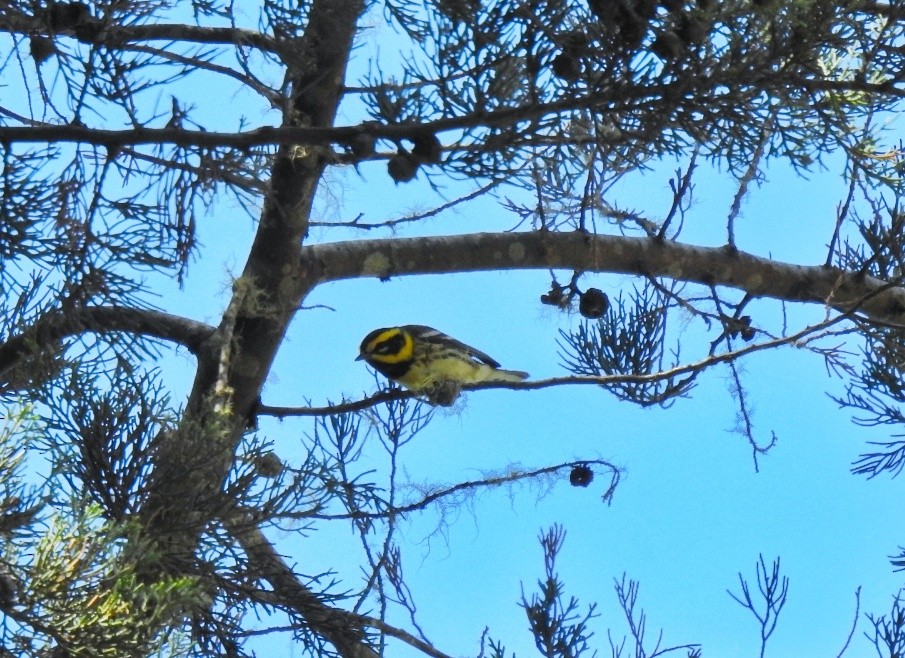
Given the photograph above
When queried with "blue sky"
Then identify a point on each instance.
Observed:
(691, 512)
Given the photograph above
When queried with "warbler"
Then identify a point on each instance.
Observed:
(429, 362)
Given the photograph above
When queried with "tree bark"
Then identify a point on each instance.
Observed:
(191, 463)
(712, 266)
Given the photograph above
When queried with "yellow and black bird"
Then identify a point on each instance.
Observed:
(429, 362)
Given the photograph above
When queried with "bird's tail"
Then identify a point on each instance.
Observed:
(498, 375)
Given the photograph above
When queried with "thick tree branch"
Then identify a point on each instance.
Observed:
(191, 463)
(339, 627)
(42, 133)
(287, 135)
(712, 266)
(343, 629)
(104, 319)
(56, 134)
(170, 32)
(404, 636)
(328, 134)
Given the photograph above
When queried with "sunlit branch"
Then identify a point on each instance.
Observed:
(579, 251)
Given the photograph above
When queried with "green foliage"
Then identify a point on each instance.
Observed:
(68, 577)
(83, 591)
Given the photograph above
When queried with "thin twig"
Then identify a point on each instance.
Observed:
(800, 339)
(851, 633)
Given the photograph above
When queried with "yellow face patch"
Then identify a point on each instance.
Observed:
(390, 346)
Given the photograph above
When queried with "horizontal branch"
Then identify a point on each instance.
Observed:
(115, 139)
(91, 29)
(37, 132)
(471, 487)
(171, 32)
(43, 133)
(104, 319)
(711, 266)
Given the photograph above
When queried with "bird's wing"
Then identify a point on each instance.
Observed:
(432, 335)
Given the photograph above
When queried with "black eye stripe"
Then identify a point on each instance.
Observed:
(391, 345)
(388, 346)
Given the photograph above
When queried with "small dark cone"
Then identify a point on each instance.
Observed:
(748, 334)
(593, 303)
(566, 67)
(402, 167)
(41, 48)
(581, 476)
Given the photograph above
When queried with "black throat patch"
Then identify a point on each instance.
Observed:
(391, 370)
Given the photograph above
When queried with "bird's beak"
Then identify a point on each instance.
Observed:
(359, 357)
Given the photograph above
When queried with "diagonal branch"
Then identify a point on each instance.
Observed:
(440, 494)
(399, 634)
(341, 628)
